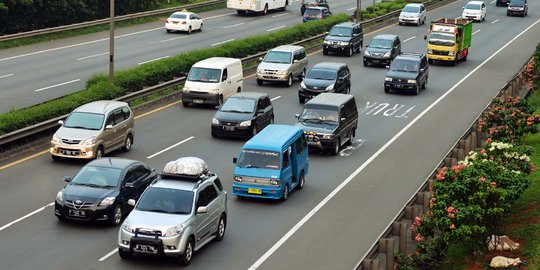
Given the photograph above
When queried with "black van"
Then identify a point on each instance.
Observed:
(329, 121)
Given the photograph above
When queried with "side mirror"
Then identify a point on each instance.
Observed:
(61, 122)
(422, 69)
(108, 127)
(202, 210)
(129, 185)
(295, 61)
(67, 178)
(387, 67)
(131, 202)
(234, 160)
(343, 119)
(260, 112)
(217, 107)
(260, 58)
(297, 116)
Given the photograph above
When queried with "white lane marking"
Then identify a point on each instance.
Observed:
(496, 19)
(60, 84)
(275, 28)
(91, 56)
(492, 1)
(170, 39)
(234, 25)
(279, 15)
(458, 17)
(108, 255)
(140, 32)
(26, 216)
(170, 147)
(409, 39)
(5, 76)
(222, 15)
(347, 151)
(159, 58)
(474, 33)
(278, 97)
(353, 8)
(318, 207)
(219, 43)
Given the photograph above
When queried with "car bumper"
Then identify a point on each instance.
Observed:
(515, 12)
(318, 143)
(441, 57)
(272, 77)
(92, 213)
(231, 131)
(409, 20)
(200, 98)
(377, 60)
(309, 94)
(176, 27)
(408, 87)
(162, 246)
(255, 191)
(73, 151)
(472, 17)
(339, 48)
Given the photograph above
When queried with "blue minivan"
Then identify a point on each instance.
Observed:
(272, 163)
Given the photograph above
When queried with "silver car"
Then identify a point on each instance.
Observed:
(283, 64)
(413, 14)
(177, 215)
(93, 130)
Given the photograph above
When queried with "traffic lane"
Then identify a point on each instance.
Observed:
(388, 187)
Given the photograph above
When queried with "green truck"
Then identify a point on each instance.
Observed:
(449, 40)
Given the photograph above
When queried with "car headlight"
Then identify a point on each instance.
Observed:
(89, 141)
(367, 53)
(327, 42)
(430, 51)
(245, 123)
(411, 81)
(174, 231)
(259, 70)
(107, 201)
(238, 178)
(343, 43)
(215, 121)
(386, 54)
(328, 136)
(274, 182)
(55, 139)
(387, 79)
(451, 53)
(303, 85)
(60, 196)
(330, 87)
(127, 227)
(281, 72)
(185, 89)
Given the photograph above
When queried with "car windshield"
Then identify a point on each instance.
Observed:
(95, 176)
(250, 158)
(437, 38)
(238, 105)
(404, 66)
(411, 9)
(319, 115)
(312, 12)
(322, 74)
(310, 2)
(518, 3)
(380, 44)
(178, 16)
(84, 120)
(278, 57)
(340, 31)
(197, 74)
(166, 200)
(473, 6)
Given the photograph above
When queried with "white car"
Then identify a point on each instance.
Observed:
(413, 13)
(184, 21)
(474, 10)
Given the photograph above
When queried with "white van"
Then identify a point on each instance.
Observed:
(213, 80)
(262, 6)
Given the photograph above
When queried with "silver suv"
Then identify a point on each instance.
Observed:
(177, 215)
(283, 64)
(94, 129)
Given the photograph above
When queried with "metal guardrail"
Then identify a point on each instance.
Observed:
(106, 20)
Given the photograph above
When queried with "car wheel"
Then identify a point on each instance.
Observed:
(484, 18)
(61, 217)
(200, 28)
(386, 90)
(128, 143)
(365, 63)
(302, 75)
(260, 82)
(324, 51)
(221, 227)
(430, 61)
(289, 80)
(241, 12)
(424, 84)
(301, 99)
(265, 10)
(56, 158)
(99, 152)
(116, 216)
(417, 89)
(238, 90)
(507, 13)
(125, 255)
(419, 22)
(301, 181)
(424, 20)
(400, 23)
(213, 134)
(220, 101)
(189, 30)
(285, 194)
(350, 138)
(185, 103)
(185, 258)
(350, 52)
(337, 145)
(254, 131)
(169, 30)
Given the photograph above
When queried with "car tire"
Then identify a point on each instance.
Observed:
(241, 12)
(324, 51)
(128, 143)
(100, 152)
(185, 103)
(214, 135)
(200, 28)
(289, 80)
(350, 137)
(272, 120)
(400, 23)
(169, 30)
(302, 75)
(125, 255)
(424, 84)
(185, 258)
(301, 181)
(61, 217)
(285, 194)
(419, 22)
(507, 13)
(350, 52)
(222, 225)
(300, 99)
(424, 21)
(359, 48)
(260, 82)
(238, 90)
(365, 63)
(254, 131)
(416, 90)
(117, 215)
(56, 158)
(220, 100)
(189, 30)
(265, 10)
(430, 61)
(386, 90)
(337, 146)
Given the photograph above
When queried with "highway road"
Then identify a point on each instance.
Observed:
(33, 74)
(348, 199)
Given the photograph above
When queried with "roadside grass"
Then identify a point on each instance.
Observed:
(98, 28)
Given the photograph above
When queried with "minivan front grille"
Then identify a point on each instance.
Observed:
(271, 71)
(256, 181)
(437, 52)
(77, 204)
(148, 232)
(70, 141)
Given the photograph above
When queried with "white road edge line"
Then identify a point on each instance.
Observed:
(26, 216)
(278, 97)
(349, 9)
(279, 15)
(475, 32)
(318, 207)
(108, 255)
(496, 19)
(275, 28)
(409, 39)
(5, 76)
(91, 56)
(60, 84)
(219, 43)
(234, 25)
(170, 147)
(159, 58)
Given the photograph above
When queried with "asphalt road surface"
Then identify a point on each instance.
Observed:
(348, 199)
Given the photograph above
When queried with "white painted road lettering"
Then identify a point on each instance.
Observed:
(386, 109)
(347, 151)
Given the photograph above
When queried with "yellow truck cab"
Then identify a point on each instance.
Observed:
(449, 40)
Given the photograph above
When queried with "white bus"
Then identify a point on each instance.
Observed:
(261, 6)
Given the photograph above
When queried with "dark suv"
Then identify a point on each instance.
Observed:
(325, 77)
(313, 3)
(408, 72)
(345, 37)
(517, 7)
(382, 50)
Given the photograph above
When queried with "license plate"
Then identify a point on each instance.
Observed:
(145, 248)
(76, 213)
(69, 153)
(313, 143)
(227, 128)
(198, 101)
(254, 191)
(376, 61)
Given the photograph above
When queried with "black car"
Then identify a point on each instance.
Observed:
(101, 189)
(382, 50)
(243, 115)
(517, 7)
(408, 72)
(325, 77)
(502, 3)
(313, 3)
(345, 37)
(329, 121)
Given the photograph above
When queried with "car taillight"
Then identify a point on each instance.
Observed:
(184, 22)
(319, 16)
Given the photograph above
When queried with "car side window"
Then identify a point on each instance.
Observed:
(299, 146)
(218, 184)
(302, 54)
(118, 116)
(127, 112)
(260, 104)
(285, 159)
(110, 120)
(206, 196)
(130, 176)
(267, 102)
(141, 171)
(224, 76)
